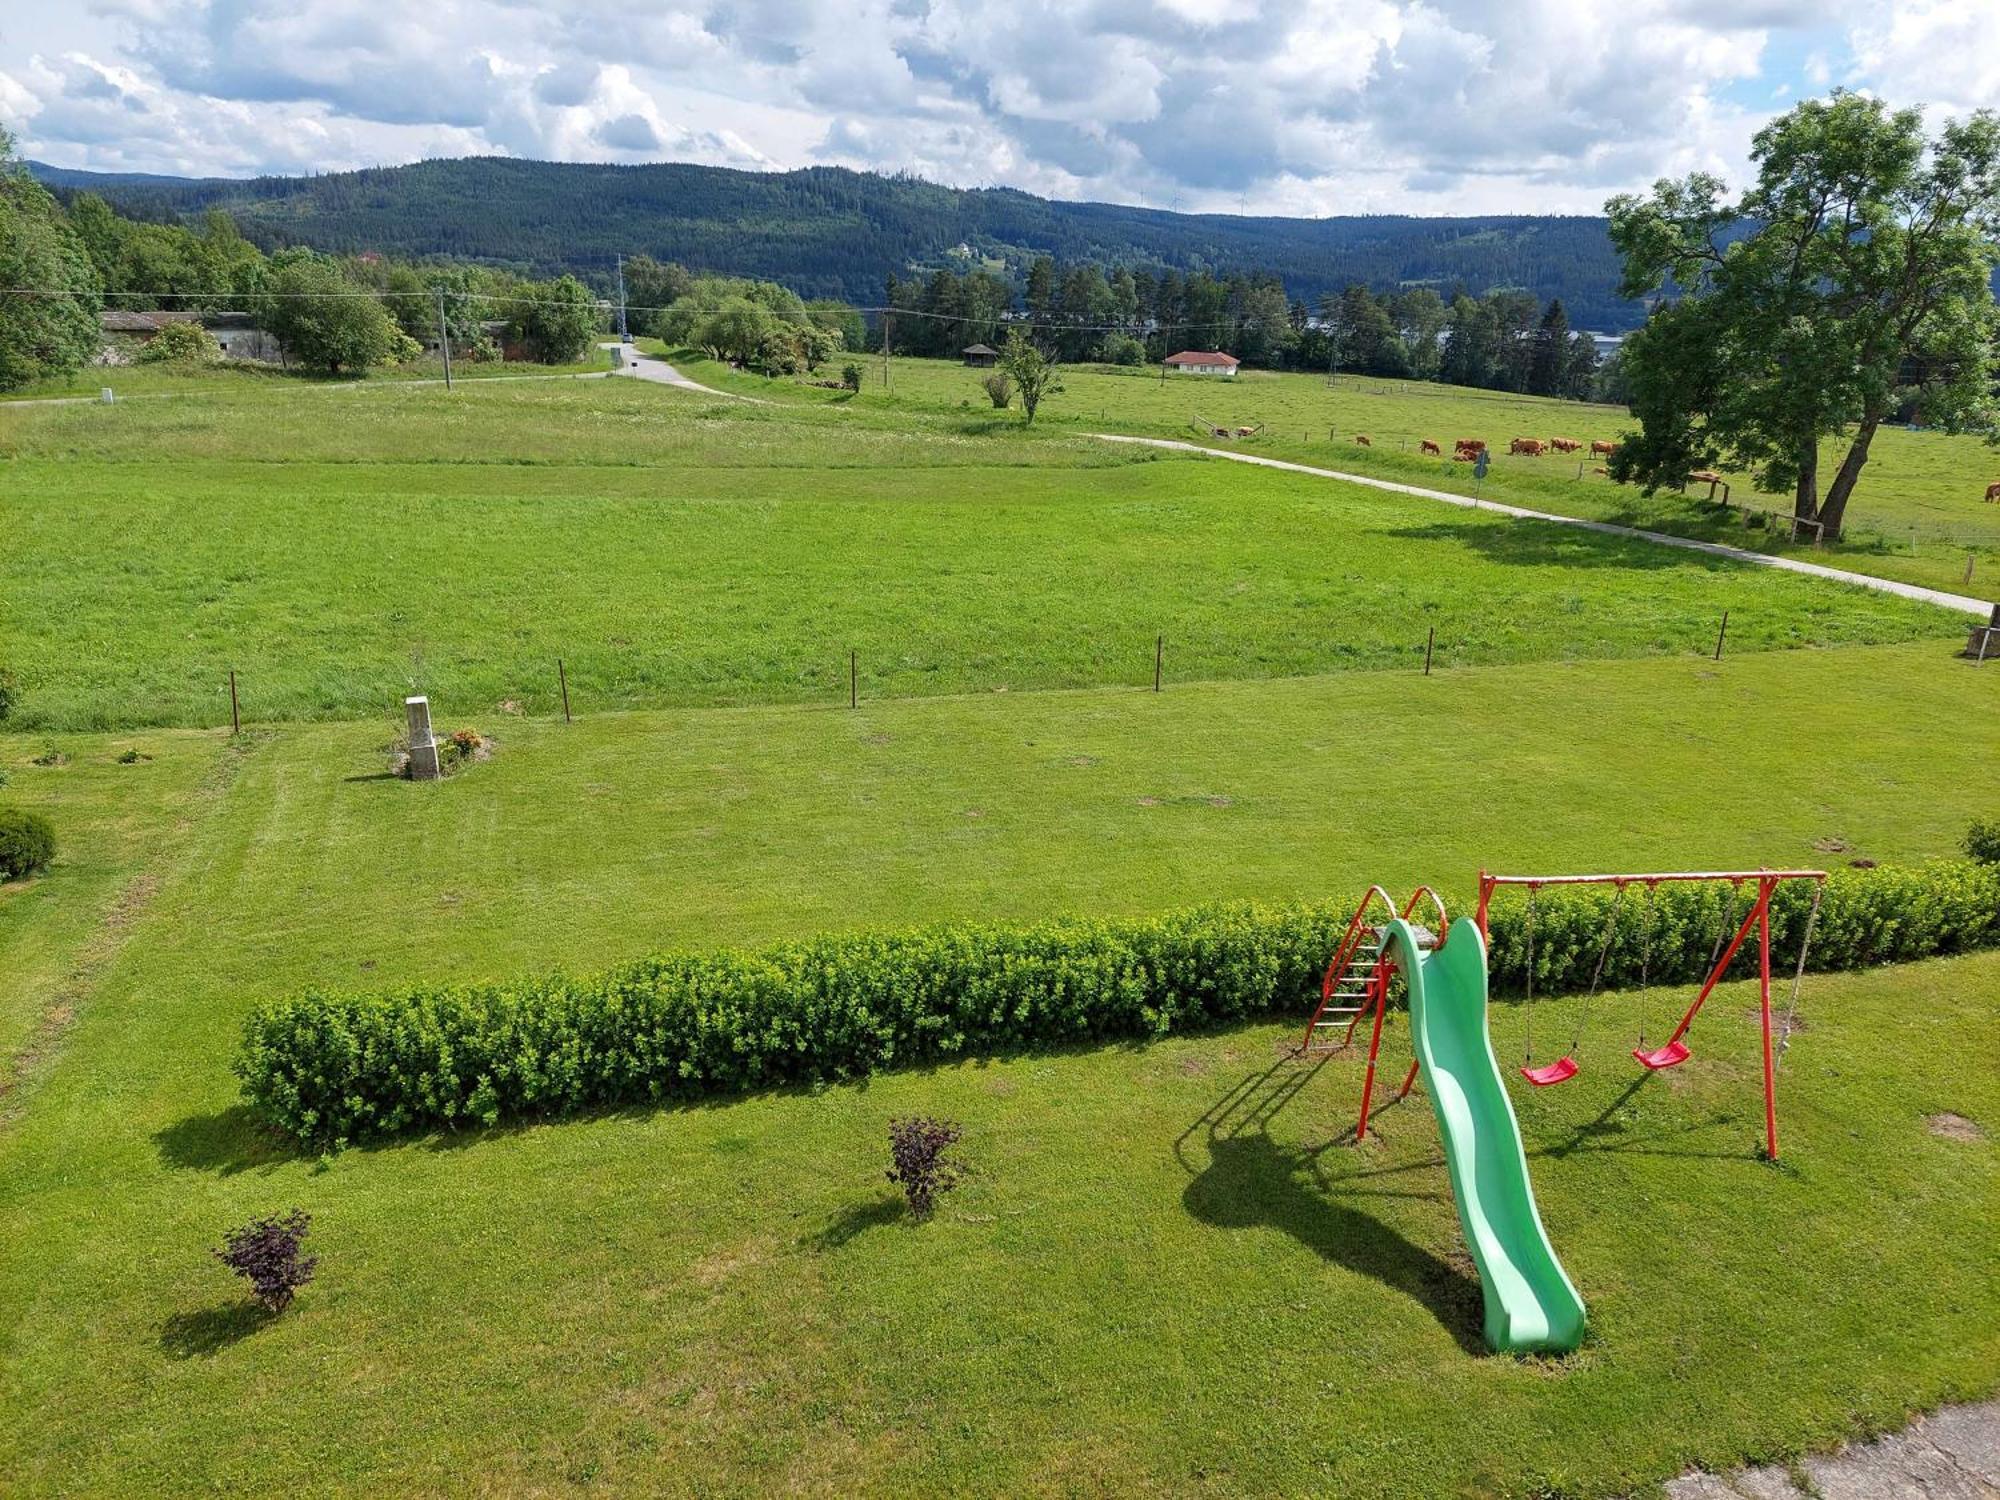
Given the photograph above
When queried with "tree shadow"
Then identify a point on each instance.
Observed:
(204, 1334)
(1251, 1180)
(225, 1142)
(856, 1219)
(1552, 544)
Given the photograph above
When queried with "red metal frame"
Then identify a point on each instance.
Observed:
(1378, 992)
(1674, 1051)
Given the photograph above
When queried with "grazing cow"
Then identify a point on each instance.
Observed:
(1246, 432)
(1600, 469)
(1470, 445)
(1532, 447)
(1705, 476)
(1598, 445)
(1361, 440)
(1564, 445)
(1993, 491)
(1430, 447)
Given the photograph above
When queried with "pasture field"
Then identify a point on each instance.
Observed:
(1162, 1275)
(339, 547)
(1917, 516)
(222, 379)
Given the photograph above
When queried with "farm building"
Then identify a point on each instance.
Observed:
(1203, 362)
(235, 333)
(980, 356)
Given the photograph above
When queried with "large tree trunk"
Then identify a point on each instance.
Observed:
(1805, 500)
(1835, 509)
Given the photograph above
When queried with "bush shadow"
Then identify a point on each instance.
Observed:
(1553, 544)
(225, 1142)
(205, 1334)
(855, 1220)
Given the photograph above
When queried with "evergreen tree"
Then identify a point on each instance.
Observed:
(1548, 367)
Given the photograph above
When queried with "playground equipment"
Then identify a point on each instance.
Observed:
(1675, 1050)
(1530, 1303)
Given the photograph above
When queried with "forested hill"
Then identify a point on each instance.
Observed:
(827, 231)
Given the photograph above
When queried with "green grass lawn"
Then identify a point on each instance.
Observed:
(222, 379)
(1161, 1276)
(1919, 513)
(339, 548)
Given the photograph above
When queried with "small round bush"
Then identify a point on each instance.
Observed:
(27, 842)
(9, 690)
(1982, 841)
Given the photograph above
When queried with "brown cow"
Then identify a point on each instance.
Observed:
(1705, 476)
(1993, 491)
(1598, 445)
(1564, 445)
(1600, 469)
(1427, 446)
(1470, 445)
(1532, 447)
(1361, 439)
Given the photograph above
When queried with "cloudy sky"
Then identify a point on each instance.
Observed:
(1281, 106)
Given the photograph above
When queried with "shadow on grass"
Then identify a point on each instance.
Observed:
(1551, 544)
(225, 1142)
(857, 1219)
(204, 1334)
(1251, 1180)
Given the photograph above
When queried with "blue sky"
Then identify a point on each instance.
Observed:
(1278, 106)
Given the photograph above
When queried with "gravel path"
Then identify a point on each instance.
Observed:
(1952, 1455)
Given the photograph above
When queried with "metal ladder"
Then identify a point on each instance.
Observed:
(1357, 978)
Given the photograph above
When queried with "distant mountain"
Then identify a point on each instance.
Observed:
(827, 231)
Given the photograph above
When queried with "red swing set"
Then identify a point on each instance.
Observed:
(1357, 980)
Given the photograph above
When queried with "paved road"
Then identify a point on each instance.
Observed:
(1951, 1455)
(650, 367)
(1963, 603)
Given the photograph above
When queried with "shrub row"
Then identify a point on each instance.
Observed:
(330, 1068)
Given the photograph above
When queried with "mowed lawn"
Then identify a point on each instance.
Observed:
(340, 548)
(1919, 514)
(1162, 1275)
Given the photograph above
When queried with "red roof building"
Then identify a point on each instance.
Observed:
(1204, 362)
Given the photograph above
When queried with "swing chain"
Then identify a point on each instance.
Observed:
(1799, 973)
(1646, 952)
(1528, 1020)
(1597, 975)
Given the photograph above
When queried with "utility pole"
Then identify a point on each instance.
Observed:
(623, 336)
(444, 339)
(888, 332)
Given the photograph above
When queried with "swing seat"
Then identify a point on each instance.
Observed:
(1559, 1071)
(1670, 1056)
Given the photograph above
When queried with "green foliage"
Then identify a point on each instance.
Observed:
(850, 376)
(1851, 282)
(1982, 841)
(328, 1067)
(557, 321)
(186, 345)
(10, 692)
(1033, 372)
(999, 388)
(1122, 349)
(51, 335)
(322, 318)
(27, 842)
(755, 324)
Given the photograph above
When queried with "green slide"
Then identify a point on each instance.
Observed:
(1530, 1303)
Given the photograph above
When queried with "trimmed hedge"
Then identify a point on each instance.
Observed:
(27, 842)
(331, 1068)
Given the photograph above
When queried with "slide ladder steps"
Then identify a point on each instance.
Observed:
(1352, 991)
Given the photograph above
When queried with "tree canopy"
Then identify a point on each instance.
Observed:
(55, 332)
(1851, 282)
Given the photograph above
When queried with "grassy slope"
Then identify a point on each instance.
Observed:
(146, 380)
(1124, 1297)
(1929, 483)
(950, 564)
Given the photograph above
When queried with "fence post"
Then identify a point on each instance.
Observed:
(853, 679)
(1159, 657)
(1430, 644)
(235, 711)
(563, 678)
(1720, 634)
(1970, 557)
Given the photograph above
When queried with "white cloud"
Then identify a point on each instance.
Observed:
(1303, 106)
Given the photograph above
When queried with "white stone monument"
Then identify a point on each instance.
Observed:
(423, 745)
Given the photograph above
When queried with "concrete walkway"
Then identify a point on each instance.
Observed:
(650, 367)
(1953, 1455)
(1963, 603)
